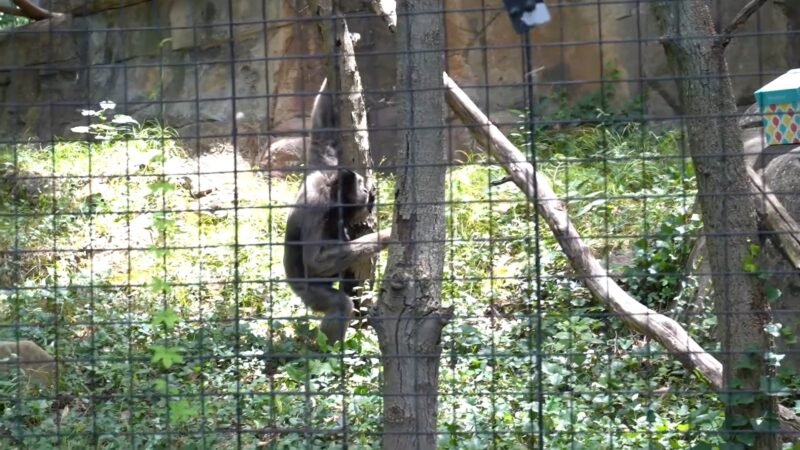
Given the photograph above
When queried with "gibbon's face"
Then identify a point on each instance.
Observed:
(359, 195)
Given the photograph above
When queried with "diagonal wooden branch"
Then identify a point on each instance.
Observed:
(787, 231)
(537, 188)
(740, 19)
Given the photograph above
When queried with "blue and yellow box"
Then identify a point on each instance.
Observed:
(779, 102)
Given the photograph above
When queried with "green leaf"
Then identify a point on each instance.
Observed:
(161, 386)
(161, 186)
(122, 119)
(181, 411)
(159, 158)
(159, 285)
(748, 265)
(773, 387)
(773, 329)
(737, 398)
(159, 252)
(163, 223)
(771, 293)
(746, 361)
(167, 316)
(774, 359)
(166, 355)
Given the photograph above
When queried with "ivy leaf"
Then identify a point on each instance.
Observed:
(158, 252)
(167, 316)
(773, 387)
(161, 186)
(123, 119)
(181, 411)
(774, 359)
(748, 265)
(159, 285)
(773, 329)
(166, 355)
(161, 386)
(737, 398)
(163, 223)
(771, 293)
(746, 362)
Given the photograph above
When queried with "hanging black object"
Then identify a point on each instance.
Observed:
(526, 14)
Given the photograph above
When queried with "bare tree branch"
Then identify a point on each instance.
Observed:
(386, 9)
(501, 181)
(741, 18)
(12, 11)
(35, 12)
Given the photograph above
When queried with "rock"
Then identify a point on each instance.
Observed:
(171, 60)
(34, 362)
(751, 117)
(283, 153)
(23, 185)
(782, 176)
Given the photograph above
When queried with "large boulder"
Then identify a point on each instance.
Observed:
(782, 176)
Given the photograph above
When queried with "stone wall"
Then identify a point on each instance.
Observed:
(195, 64)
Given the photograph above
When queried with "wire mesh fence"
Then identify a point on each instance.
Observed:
(192, 224)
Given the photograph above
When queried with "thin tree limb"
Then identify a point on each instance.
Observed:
(661, 328)
(387, 9)
(501, 181)
(35, 12)
(12, 11)
(741, 18)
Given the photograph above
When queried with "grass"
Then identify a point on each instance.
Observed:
(162, 307)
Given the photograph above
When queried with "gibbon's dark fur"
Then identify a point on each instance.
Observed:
(318, 250)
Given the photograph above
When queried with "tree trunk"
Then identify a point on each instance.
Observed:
(408, 318)
(727, 203)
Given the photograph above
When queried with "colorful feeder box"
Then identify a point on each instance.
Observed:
(779, 102)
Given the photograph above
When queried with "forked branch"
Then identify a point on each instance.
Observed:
(741, 18)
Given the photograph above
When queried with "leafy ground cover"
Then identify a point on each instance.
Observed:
(163, 307)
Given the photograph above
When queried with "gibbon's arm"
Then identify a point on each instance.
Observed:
(324, 260)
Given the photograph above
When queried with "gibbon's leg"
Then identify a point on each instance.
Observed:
(335, 304)
(326, 261)
(348, 283)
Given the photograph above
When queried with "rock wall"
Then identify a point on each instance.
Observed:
(209, 67)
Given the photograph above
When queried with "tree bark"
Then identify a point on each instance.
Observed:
(354, 145)
(408, 318)
(696, 54)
